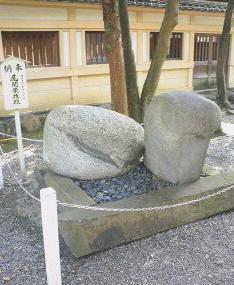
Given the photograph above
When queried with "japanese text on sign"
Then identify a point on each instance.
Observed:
(14, 84)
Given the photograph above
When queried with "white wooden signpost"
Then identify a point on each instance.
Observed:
(15, 95)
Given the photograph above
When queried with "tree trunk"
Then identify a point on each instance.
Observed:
(134, 107)
(222, 99)
(115, 55)
(170, 20)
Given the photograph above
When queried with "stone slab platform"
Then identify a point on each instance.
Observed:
(86, 231)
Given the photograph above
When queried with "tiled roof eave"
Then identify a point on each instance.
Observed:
(189, 5)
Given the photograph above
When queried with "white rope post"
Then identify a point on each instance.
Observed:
(49, 217)
(19, 141)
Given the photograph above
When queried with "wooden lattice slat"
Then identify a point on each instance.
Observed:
(39, 48)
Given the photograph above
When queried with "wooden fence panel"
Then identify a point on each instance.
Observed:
(175, 49)
(205, 60)
(39, 48)
(95, 48)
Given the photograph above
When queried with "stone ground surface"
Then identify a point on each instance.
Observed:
(201, 253)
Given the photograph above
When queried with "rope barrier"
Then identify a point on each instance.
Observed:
(95, 208)
(17, 180)
(25, 139)
(157, 208)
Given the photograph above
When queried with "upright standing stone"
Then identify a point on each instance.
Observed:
(178, 129)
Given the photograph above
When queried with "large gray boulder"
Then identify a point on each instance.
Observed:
(178, 129)
(91, 143)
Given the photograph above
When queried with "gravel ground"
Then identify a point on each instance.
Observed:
(221, 149)
(196, 254)
(201, 253)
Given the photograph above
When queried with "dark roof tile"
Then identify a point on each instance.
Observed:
(195, 5)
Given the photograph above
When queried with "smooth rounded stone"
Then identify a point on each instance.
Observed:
(88, 142)
(178, 129)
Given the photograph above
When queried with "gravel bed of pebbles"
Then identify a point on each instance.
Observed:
(138, 181)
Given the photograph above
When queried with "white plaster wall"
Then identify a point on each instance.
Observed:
(9, 12)
(78, 48)
(152, 17)
(66, 48)
(186, 45)
(134, 44)
(88, 15)
(184, 19)
(206, 20)
(144, 47)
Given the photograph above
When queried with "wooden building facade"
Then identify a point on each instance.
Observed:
(65, 46)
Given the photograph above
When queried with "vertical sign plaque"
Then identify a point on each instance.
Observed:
(15, 95)
(14, 83)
